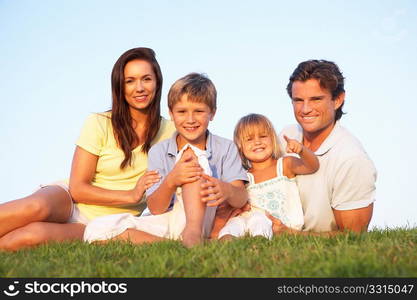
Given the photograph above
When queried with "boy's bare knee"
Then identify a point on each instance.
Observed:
(191, 153)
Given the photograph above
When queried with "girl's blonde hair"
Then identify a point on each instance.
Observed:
(245, 127)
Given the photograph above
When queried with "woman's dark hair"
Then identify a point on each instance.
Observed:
(120, 117)
(328, 75)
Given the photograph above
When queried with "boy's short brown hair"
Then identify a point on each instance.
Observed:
(198, 87)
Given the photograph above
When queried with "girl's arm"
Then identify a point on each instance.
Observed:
(306, 164)
(83, 168)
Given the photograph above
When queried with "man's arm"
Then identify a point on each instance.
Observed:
(353, 194)
(356, 220)
(352, 198)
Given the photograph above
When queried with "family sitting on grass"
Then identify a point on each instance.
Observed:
(141, 178)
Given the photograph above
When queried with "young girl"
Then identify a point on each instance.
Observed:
(272, 185)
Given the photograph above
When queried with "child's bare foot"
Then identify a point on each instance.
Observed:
(191, 237)
(227, 237)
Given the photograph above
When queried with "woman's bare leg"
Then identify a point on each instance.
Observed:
(37, 233)
(50, 204)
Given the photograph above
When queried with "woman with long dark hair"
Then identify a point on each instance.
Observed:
(108, 173)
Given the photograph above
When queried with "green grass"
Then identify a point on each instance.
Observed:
(378, 253)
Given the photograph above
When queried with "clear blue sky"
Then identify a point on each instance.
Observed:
(56, 58)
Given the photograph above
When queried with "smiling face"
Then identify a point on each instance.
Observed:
(139, 85)
(191, 120)
(314, 108)
(257, 145)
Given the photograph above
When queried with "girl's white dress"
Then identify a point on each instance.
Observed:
(278, 196)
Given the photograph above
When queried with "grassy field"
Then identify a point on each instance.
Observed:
(378, 253)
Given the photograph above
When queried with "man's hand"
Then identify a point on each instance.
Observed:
(277, 226)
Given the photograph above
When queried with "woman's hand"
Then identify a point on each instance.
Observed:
(145, 182)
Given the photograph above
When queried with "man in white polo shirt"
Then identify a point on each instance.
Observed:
(340, 195)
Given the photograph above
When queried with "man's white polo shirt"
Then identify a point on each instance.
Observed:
(345, 180)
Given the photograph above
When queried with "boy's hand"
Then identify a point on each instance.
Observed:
(186, 170)
(145, 181)
(214, 191)
(293, 146)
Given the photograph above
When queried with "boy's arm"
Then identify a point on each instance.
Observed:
(231, 185)
(159, 201)
(238, 196)
(186, 170)
(214, 192)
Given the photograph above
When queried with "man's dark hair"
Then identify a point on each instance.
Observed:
(328, 75)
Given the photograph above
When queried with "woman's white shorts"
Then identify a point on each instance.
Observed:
(76, 216)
